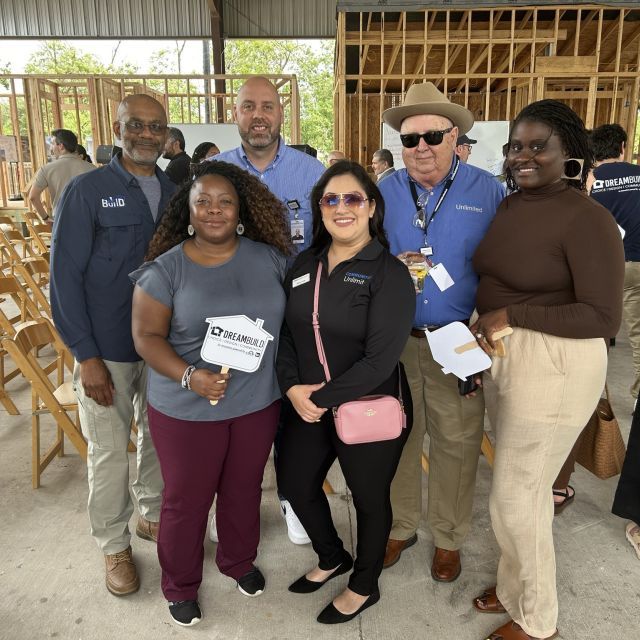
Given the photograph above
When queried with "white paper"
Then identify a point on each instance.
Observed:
(441, 277)
(236, 342)
(443, 343)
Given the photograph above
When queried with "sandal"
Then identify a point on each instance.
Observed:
(513, 631)
(567, 499)
(488, 602)
(632, 531)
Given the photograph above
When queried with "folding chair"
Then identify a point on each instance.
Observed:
(11, 288)
(57, 400)
(39, 233)
(35, 275)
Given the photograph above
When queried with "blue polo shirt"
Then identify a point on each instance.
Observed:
(290, 177)
(461, 222)
(101, 232)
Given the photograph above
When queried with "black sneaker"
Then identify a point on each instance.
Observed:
(186, 613)
(252, 584)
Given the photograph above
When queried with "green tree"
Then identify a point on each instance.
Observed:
(314, 70)
(181, 108)
(59, 58)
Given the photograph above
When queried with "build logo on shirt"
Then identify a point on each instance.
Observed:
(113, 201)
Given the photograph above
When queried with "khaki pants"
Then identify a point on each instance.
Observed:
(107, 430)
(539, 397)
(455, 425)
(631, 315)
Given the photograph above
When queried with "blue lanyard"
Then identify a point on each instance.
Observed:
(443, 195)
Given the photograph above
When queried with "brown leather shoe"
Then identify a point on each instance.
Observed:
(147, 530)
(446, 565)
(395, 548)
(122, 577)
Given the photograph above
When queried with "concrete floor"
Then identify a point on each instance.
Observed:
(52, 576)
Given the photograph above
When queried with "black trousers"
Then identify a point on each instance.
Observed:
(627, 501)
(307, 452)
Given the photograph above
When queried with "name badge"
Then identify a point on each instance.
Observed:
(441, 277)
(301, 280)
(426, 251)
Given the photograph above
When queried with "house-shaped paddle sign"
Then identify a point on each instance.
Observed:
(235, 342)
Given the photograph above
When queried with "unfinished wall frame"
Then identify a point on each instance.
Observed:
(494, 61)
(31, 106)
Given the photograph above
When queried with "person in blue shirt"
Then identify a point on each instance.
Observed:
(440, 207)
(290, 175)
(103, 225)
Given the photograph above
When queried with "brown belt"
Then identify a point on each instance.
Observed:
(420, 333)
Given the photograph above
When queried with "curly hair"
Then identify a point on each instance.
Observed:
(261, 213)
(321, 237)
(567, 125)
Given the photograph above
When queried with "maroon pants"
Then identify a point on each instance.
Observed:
(198, 460)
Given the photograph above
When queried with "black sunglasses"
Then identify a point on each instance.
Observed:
(432, 138)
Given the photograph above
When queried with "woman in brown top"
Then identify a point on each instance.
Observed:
(551, 266)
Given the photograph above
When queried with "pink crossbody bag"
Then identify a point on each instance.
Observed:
(370, 418)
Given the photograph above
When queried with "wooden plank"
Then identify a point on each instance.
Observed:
(581, 64)
(480, 36)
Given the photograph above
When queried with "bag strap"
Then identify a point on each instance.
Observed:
(315, 320)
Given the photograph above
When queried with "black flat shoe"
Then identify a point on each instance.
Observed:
(304, 585)
(330, 615)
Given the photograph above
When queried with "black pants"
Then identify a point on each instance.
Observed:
(307, 452)
(627, 501)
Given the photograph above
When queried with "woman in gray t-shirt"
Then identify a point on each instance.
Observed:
(215, 266)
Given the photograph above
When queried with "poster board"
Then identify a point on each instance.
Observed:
(486, 154)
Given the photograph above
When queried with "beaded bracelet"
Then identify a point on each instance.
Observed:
(186, 377)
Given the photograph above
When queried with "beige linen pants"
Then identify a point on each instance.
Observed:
(539, 397)
(455, 425)
(107, 430)
(631, 315)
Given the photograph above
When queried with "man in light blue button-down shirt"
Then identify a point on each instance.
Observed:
(289, 174)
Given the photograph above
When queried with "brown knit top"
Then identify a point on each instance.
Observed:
(553, 257)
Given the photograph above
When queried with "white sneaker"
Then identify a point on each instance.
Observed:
(295, 530)
(213, 529)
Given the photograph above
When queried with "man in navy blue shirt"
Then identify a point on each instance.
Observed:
(440, 207)
(616, 186)
(290, 176)
(104, 222)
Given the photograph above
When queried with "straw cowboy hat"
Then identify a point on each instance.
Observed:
(425, 99)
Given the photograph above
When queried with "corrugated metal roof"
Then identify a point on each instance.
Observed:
(420, 5)
(280, 19)
(104, 19)
(156, 19)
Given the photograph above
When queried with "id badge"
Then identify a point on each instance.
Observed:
(441, 277)
(426, 251)
(297, 231)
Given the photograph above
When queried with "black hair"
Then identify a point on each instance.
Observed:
(385, 156)
(176, 134)
(321, 237)
(567, 125)
(607, 141)
(200, 152)
(66, 138)
(262, 214)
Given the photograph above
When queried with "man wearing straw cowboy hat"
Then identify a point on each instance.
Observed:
(440, 207)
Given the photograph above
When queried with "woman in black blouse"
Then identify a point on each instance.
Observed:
(366, 307)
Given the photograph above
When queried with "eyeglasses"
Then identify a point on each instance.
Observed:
(420, 216)
(135, 126)
(351, 200)
(432, 138)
